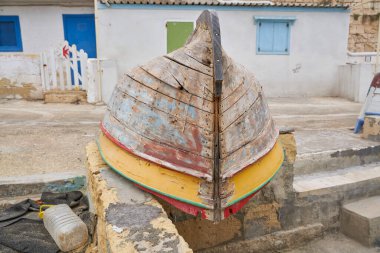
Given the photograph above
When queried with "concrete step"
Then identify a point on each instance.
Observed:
(318, 197)
(357, 179)
(332, 160)
(329, 150)
(360, 220)
(36, 184)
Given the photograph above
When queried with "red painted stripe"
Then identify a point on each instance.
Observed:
(201, 170)
(194, 210)
(184, 207)
(239, 205)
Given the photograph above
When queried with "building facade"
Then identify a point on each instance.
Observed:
(288, 46)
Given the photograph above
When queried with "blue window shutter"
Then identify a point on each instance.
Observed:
(281, 33)
(273, 34)
(7, 34)
(10, 34)
(266, 30)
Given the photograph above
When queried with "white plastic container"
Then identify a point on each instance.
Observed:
(67, 229)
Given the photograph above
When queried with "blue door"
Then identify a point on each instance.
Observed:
(79, 29)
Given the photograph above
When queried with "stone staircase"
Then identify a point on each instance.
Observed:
(339, 187)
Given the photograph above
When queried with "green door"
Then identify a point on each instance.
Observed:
(177, 34)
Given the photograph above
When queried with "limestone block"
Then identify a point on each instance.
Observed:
(129, 220)
(58, 96)
(370, 29)
(289, 145)
(371, 128)
(361, 221)
(356, 29)
(261, 219)
(203, 234)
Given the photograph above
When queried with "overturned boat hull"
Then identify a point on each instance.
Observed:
(193, 128)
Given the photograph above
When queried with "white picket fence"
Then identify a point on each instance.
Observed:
(64, 68)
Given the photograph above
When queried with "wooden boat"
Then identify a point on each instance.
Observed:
(193, 128)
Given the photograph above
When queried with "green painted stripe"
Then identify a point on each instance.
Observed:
(259, 187)
(145, 186)
(185, 200)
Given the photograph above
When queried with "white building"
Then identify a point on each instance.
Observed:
(29, 27)
(294, 50)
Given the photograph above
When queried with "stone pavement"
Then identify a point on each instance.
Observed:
(38, 138)
(42, 138)
(334, 243)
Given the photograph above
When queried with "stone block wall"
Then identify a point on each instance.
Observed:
(364, 22)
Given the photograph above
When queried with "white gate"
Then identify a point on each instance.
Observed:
(64, 68)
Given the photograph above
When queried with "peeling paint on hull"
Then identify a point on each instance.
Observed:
(193, 128)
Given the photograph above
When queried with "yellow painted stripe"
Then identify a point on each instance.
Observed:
(184, 187)
(255, 176)
(171, 183)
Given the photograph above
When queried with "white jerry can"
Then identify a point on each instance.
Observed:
(67, 229)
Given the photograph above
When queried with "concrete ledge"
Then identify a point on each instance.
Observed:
(129, 220)
(66, 96)
(360, 220)
(35, 184)
(272, 242)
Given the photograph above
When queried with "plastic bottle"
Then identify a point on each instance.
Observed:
(67, 229)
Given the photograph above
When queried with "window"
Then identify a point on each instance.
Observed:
(10, 35)
(273, 34)
(177, 34)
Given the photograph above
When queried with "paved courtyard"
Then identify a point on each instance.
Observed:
(37, 138)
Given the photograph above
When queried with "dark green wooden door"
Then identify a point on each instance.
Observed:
(177, 34)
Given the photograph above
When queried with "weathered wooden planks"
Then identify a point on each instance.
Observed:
(156, 152)
(246, 129)
(152, 82)
(250, 152)
(163, 128)
(182, 111)
(195, 111)
(181, 77)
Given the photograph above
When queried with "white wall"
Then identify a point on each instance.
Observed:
(41, 26)
(20, 76)
(355, 80)
(318, 45)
